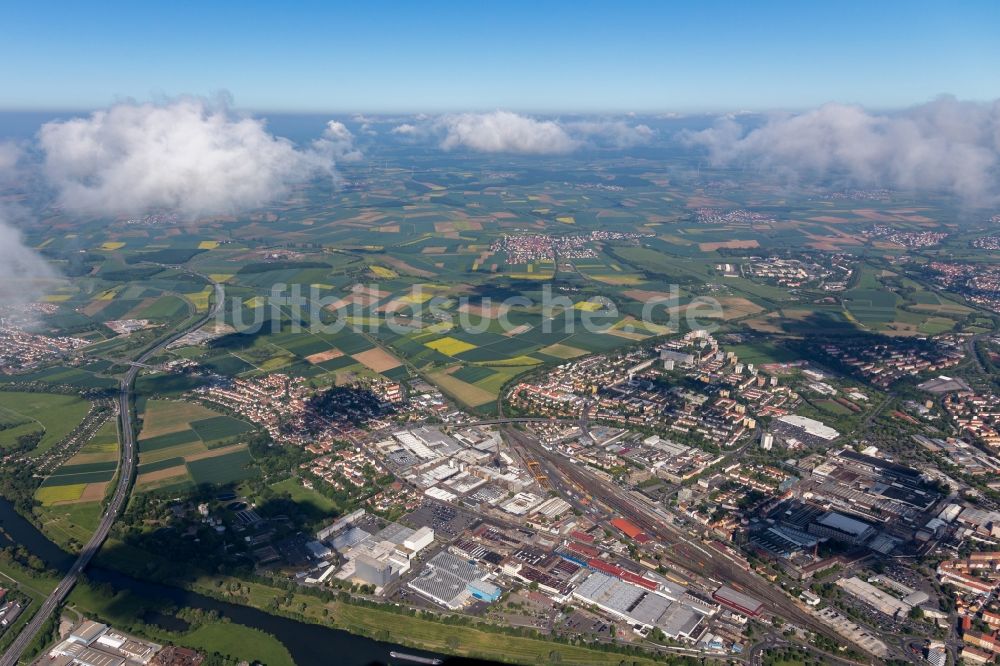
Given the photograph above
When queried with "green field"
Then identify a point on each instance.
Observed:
(219, 428)
(67, 522)
(60, 492)
(175, 442)
(102, 447)
(302, 495)
(871, 306)
(53, 416)
(472, 642)
(168, 440)
(170, 416)
(238, 641)
(83, 473)
(760, 353)
(222, 469)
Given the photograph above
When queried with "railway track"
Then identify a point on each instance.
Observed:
(701, 561)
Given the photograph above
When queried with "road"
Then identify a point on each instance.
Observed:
(518, 419)
(126, 467)
(970, 350)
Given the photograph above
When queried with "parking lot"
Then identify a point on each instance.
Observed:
(446, 521)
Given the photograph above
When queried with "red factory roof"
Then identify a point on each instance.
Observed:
(604, 567)
(627, 527)
(621, 574)
(741, 602)
(584, 549)
(582, 536)
(641, 581)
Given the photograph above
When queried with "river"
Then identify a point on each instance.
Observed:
(309, 644)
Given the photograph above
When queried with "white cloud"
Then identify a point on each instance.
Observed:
(184, 155)
(945, 145)
(23, 272)
(406, 129)
(505, 132)
(337, 142)
(508, 132)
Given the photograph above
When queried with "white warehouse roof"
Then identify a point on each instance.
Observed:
(811, 426)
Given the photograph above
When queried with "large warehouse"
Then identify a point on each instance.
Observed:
(809, 426)
(737, 600)
(638, 605)
(451, 581)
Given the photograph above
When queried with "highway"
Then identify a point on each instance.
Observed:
(126, 474)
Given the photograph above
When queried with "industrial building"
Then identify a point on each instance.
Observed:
(340, 524)
(377, 572)
(450, 581)
(484, 590)
(808, 427)
(880, 599)
(783, 541)
(876, 490)
(631, 530)
(639, 606)
(95, 644)
(680, 358)
(743, 603)
(375, 558)
(842, 528)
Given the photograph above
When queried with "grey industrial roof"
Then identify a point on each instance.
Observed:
(639, 605)
(649, 609)
(609, 592)
(456, 566)
(439, 584)
(395, 533)
(349, 537)
(846, 524)
(679, 620)
(92, 657)
(88, 631)
(735, 598)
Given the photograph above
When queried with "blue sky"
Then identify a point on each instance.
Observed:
(527, 56)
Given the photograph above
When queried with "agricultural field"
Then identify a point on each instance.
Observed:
(182, 443)
(102, 447)
(895, 305)
(77, 482)
(465, 271)
(407, 276)
(51, 416)
(83, 480)
(405, 245)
